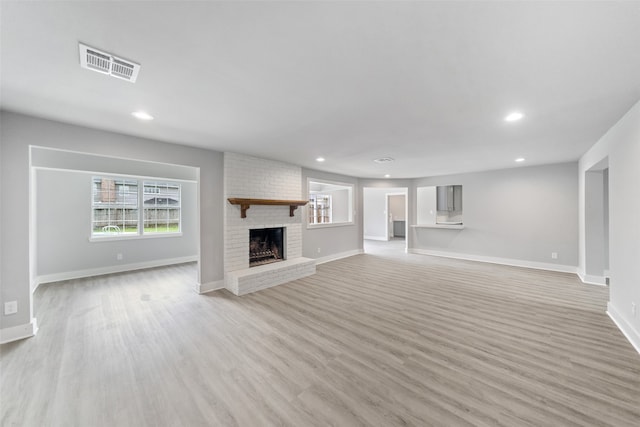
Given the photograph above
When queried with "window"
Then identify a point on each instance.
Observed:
(161, 204)
(319, 209)
(329, 203)
(439, 205)
(115, 207)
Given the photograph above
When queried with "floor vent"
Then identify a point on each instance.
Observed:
(105, 63)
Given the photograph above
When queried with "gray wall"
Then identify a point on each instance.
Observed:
(605, 202)
(375, 215)
(620, 148)
(3, 245)
(522, 214)
(595, 230)
(426, 205)
(18, 132)
(397, 208)
(63, 214)
(330, 240)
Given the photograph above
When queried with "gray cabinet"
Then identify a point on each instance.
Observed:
(449, 198)
(399, 228)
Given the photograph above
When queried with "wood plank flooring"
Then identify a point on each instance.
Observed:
(371, 340)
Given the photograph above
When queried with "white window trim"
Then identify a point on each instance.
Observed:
(132, 237)
(331, 224)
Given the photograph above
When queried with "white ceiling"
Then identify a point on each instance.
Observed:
(426, 83)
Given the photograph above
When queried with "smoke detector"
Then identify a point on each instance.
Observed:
(106, 63)
(384, 160)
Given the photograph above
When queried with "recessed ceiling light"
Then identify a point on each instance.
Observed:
(142, 115)
(520, 159)
(320, 159)
(387, 176)
(514, 117)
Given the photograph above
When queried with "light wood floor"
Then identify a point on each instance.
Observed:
(375, 340)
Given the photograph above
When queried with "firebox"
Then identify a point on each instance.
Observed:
(266, 245)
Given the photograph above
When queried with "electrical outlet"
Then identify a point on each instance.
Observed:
(319, 250)
(554, 255)
(119, 257)
(10, 307)
(633, 308)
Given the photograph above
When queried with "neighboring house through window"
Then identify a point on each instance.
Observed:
(116, 201)
(115, 206)
(161, 204)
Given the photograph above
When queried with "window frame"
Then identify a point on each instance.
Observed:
(422, 204)
(350, 204)
(140, 222)
(143, 221)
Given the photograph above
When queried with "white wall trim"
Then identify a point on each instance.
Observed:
(495, 260)
(590, 279)
(68, 275)
(338, 256)
(625, 327)
(19, 332)
(381, 238)
(203, 288)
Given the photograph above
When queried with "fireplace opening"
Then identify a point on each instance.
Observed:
(266, 245)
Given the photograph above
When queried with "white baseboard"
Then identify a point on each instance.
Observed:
(380, 238)
(496, 260)
(68, 275)
(337, 256)
(19, 332)
(590, 279)
(625, 327)
(203, 288)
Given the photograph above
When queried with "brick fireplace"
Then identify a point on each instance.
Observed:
(250, 177)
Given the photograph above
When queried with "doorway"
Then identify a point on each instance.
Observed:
(385, 224)
(596, 267)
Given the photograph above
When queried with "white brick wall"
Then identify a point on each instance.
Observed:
(242, 282)
(251, 177)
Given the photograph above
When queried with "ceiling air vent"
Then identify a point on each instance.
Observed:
(103, 62)
(97, 61)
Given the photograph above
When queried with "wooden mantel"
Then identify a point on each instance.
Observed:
(246, 203)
